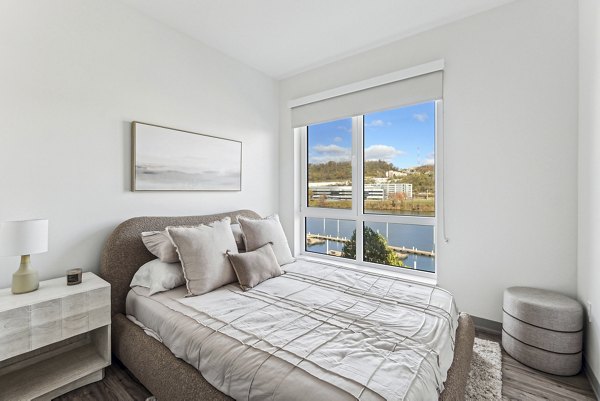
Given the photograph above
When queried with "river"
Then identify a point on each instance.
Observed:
(407, 235)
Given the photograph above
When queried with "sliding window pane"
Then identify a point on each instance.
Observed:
(399, 154)
(330, 164)
(403, 245)
(331, 237)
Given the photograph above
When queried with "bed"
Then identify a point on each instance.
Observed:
(170, 377)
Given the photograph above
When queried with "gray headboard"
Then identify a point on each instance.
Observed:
(125, 252)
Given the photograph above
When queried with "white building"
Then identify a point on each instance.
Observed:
(389, 190)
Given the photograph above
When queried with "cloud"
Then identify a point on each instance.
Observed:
(421, 117)
(429, 160)
(329, 153)
(382, 152)
(331, 149)
(345, 129)
(377, 123)
(338, 139)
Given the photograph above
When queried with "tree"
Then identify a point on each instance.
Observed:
(376, 249)
(342, 171)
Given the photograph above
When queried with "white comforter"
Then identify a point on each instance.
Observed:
(318, 332)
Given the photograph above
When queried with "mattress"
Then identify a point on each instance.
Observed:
(317, 332)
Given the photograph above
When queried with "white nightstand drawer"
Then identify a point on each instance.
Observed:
(14, 332)
(54, 339)
(52, 313)
(45, 323)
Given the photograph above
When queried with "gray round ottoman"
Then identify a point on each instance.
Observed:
(543, 329)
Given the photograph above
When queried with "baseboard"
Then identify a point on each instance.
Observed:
(592, 378)
(488, 326)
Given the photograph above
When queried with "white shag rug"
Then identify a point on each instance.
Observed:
(485, 377)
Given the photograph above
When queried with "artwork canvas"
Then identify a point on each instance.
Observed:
(167, 159)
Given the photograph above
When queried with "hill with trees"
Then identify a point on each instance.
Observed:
(342, 171)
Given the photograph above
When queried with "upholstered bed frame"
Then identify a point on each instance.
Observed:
(172, 379)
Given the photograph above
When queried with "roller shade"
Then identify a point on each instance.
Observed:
(395, 94)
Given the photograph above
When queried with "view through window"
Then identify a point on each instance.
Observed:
(394, 206)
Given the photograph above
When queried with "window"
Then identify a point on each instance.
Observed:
(330, 164)
(369, 187)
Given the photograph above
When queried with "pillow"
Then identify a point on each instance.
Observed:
(252, 268)
(239, 237)
(158, 276)
(260, 232)
(202, 251)
(159, 244)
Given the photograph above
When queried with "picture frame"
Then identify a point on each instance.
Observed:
(170, 159)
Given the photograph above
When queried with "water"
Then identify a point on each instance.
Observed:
(407, 235)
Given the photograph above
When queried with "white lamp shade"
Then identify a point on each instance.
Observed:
(23, 237)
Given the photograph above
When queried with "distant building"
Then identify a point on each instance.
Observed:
(378, 191)
(392, 174)
(331, 192)
(393, 189)
(329, 184)
(374, 192)
(389, 190)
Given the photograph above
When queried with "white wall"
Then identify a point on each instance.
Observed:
(510, 98)
(588, 267)
(73, 75)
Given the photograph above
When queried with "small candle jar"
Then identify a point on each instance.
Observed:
(74, 276)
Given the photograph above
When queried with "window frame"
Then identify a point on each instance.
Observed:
(356, 213)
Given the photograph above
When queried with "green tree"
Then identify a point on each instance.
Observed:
(342, 171)
(376, 249)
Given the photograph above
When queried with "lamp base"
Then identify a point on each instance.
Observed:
(25, 279)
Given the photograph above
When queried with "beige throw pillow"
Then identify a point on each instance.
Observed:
(239, 236)
(202, 251)
(159, 244)
(252, 268)
(258, 233)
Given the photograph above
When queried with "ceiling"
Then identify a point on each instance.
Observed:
(284, 37)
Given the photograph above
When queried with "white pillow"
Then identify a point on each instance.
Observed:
(202, 251)
(158, 276)
(258, 233)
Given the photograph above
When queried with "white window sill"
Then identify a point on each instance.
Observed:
(430, 280)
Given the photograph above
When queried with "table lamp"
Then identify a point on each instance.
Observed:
(23, 238)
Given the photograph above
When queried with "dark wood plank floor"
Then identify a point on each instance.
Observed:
(519, 383)
(522, 383)
(118, 385)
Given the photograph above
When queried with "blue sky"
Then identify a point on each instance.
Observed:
(404, 137)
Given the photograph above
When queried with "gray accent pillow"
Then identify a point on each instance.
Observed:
(159, 244)
(252, 268)
(258, 233)
(239, 236)
(202, 251)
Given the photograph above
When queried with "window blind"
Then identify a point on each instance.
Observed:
(391, 95)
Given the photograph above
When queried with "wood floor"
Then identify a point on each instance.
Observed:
(519, 383)
(118, 385)
(522, 383)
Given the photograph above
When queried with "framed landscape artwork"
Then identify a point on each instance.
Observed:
(168, 159)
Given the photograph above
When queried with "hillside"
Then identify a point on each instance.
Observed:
(342, 171)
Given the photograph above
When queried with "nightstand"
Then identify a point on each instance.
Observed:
(55, 339)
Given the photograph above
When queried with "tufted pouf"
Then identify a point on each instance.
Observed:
(543, 329)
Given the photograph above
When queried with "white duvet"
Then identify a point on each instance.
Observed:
(318, 332)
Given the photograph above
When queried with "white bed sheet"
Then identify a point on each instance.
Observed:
(319, 332)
